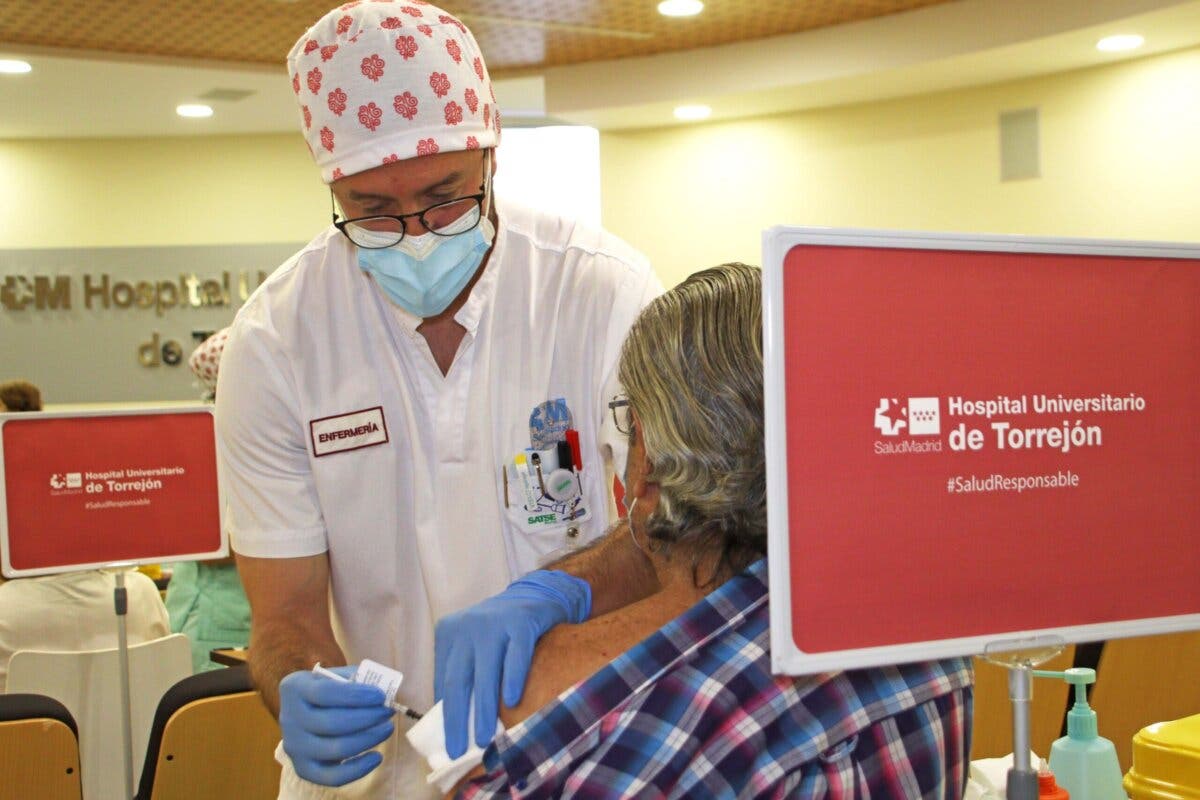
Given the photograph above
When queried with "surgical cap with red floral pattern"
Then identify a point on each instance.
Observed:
(384, 80)
(206, 359)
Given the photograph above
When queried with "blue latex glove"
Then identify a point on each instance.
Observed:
(493, 640)
(328, 725)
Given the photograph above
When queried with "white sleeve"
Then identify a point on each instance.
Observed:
(271, 507)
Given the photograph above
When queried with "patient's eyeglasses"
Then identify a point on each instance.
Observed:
(622, 417)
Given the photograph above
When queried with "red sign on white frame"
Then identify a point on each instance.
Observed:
(88, 489)
(977, 439)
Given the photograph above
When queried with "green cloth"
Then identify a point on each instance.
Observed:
(207, 603)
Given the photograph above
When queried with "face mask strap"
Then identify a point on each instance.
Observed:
(487, 182)
(629, 516)
(653, 546)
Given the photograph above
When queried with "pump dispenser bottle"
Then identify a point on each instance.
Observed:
(1083, 762)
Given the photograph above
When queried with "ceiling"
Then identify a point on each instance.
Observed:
(610, 63)
(513, 34)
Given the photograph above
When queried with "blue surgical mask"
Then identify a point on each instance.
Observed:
(423, 274)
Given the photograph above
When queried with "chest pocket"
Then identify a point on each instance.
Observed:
(547, 493)
(548, 505)
(543, 491)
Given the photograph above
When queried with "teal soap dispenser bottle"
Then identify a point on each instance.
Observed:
(1084, 762)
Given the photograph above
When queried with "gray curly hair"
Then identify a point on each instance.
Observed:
(692, 368)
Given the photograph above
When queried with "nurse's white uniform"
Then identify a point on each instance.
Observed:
(338, 432)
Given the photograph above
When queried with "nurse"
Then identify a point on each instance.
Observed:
(397, 395)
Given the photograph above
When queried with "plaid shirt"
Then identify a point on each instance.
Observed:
(694, 712)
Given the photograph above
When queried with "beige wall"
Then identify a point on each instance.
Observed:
(1120, 159)
(131, 210)
(165, 191)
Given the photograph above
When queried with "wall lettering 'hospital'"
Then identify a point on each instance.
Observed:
(46, 293)
(189, 292)
(347, 433)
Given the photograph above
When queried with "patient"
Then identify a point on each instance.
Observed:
(673, 694)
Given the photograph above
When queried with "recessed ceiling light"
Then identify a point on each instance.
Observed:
(692, 113)
(193, 110)
(10, 66)
(1124, 41)
(680, 8)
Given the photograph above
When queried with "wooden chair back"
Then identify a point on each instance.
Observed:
(39, 749)
(212, 738)
(1142, 680)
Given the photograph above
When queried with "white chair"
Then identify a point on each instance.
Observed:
(88, 683)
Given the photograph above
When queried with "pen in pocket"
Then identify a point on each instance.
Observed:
(526, 480)
(536, 458)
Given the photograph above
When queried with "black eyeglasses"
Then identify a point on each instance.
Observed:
(385, 230)
(622, 416)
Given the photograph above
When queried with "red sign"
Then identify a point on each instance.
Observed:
(112, 487)
(977, 439)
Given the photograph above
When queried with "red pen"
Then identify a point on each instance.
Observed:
(573, 441)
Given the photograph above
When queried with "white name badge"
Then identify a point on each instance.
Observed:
(352, 431)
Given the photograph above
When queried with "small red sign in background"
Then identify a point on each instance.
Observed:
(71, 487)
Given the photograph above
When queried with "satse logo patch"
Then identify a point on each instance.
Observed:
(352, 431)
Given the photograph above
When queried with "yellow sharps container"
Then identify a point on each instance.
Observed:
(1166, 761)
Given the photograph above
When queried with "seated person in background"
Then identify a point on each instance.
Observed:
(74, 611)
(205, 599)
(19, 395)
(690, 708)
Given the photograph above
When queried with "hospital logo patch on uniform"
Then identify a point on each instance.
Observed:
(548, 423)
(352, 431)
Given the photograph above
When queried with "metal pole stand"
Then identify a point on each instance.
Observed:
(1019, 657)
(121, 605)
(1022, 777)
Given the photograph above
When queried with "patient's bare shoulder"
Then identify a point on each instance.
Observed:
(569, 653)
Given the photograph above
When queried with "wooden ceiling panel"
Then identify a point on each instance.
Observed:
(515, 35)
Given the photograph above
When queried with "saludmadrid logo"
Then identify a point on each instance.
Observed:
(69, 480)
(917, 416)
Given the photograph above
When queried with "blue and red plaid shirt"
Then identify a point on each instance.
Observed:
(693, 711)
